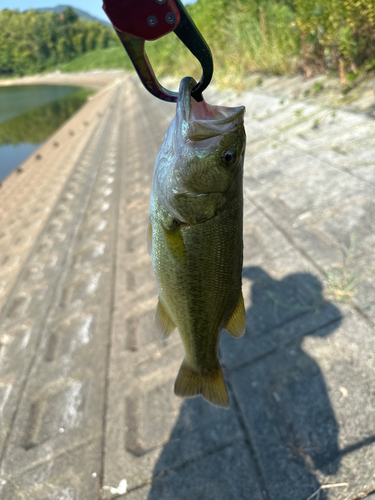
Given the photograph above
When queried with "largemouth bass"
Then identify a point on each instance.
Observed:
(195, 237)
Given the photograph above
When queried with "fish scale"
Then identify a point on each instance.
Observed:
(195, 237)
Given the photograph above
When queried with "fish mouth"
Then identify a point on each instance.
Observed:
(200, 120)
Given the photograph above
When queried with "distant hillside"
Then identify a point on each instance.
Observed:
(47, 39)
(81, 13)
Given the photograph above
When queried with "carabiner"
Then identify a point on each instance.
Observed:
(138, 21)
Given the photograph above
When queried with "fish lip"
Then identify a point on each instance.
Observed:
(184, 98)
(200, 120)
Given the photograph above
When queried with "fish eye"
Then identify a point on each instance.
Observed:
(229, 157)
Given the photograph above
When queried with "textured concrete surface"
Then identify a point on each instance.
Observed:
(86, 402)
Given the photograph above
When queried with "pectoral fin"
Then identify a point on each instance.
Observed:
(163, 323)
(211, 386)
(149, 237)
(237, 323)
(175, 243)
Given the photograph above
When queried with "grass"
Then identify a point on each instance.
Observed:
(341, 278)
(318, 87)
(112, 58)
(278, 37)
(243, 36)
(261, 38)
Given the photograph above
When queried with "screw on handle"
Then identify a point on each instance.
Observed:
(146, 19)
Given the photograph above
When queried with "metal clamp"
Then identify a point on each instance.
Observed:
(149, 20)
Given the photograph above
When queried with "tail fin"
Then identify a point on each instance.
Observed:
(212, 387)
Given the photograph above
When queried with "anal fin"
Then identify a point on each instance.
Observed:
(211, 386)
(163, 323)
(237, 323)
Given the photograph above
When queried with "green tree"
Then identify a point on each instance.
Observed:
(34, 41)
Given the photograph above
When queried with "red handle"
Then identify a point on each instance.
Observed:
(146, 19)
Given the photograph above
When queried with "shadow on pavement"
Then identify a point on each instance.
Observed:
(279, 404)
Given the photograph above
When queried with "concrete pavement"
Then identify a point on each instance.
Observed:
(86, 401)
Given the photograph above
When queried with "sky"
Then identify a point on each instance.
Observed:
(92, 7)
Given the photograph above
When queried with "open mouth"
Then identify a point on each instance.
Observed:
(202, 118)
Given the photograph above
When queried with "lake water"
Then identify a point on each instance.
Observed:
(29, 114)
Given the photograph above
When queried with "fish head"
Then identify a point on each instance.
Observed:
(200, 165)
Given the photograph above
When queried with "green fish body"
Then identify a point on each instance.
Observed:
(195, 237)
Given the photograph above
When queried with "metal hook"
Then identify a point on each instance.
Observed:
(150, 20)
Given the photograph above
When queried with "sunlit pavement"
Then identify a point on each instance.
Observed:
(86, 400)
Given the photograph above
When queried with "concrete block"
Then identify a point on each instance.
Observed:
(308, 409)
(229, 474)
(283, 301)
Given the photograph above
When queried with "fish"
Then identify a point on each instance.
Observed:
(195, 237)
